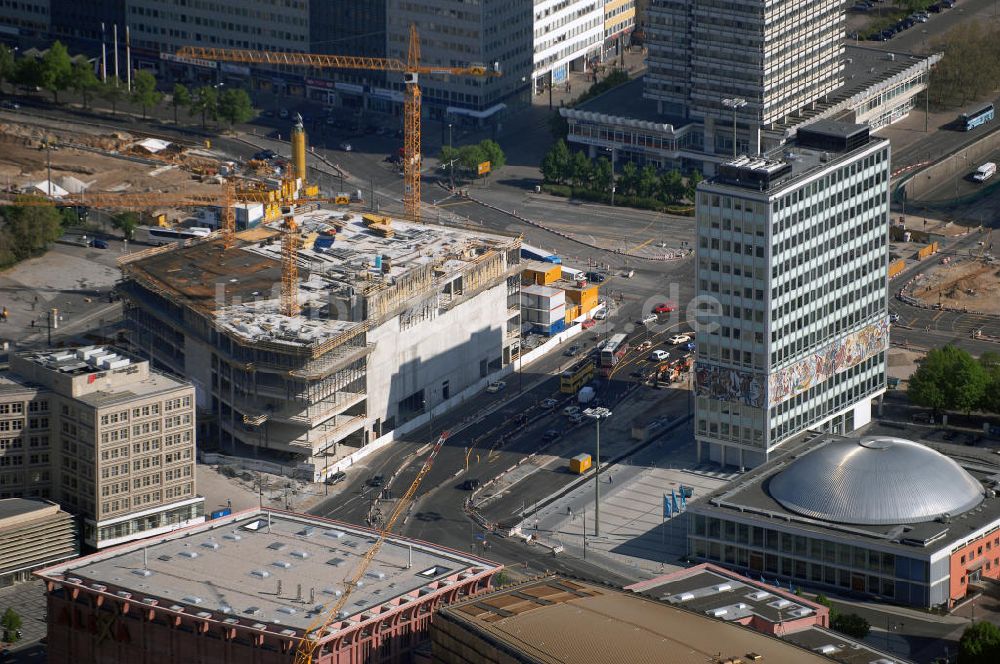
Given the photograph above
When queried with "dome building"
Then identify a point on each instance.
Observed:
(879, 516)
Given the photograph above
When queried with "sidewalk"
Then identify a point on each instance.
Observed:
(634, 537)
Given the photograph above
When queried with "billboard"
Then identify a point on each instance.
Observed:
(484, 167)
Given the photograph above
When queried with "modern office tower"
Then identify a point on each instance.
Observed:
(567, 33)
(455, 34)
(778, 58)
(793, 248)
(107, 438)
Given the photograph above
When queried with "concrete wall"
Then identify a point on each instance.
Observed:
(451, 347)
(958, 165)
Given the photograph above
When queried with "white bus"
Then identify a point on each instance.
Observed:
(157, 236)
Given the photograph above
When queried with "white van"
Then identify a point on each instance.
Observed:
(985, 172)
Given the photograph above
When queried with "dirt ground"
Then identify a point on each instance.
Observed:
(23, 160)
(962, 282)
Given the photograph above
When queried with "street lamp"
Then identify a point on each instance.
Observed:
(734, 103)
(597, 414)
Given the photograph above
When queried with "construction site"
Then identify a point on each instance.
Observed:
(313, 338)
(969, 282)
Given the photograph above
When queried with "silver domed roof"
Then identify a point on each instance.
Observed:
(875, 481)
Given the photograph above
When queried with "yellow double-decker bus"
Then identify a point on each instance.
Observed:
(576, 377)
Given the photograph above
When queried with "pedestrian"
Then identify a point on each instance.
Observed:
(611, 479)
(32, 322)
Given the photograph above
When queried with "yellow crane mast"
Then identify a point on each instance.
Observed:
(310, 641)
(411, 70)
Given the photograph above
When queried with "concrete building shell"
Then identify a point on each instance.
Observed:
(367, 356)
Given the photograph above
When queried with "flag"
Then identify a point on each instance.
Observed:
(666, 507)
(673, 501)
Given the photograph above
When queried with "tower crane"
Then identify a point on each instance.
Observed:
(226, 199)
(310, 641)
(411, 70)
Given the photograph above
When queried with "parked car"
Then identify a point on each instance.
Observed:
(346, 147)
(570, 411)
(600, 314)
(947, 4)
(337, 477)
(548, 404)
(679, 339)
(551, 435)
(376, 481)
(648, 319)
(9, 105)
(99, 244)
(471, 484)
(596, 277)
(936, 8)
(589, 323)
(893, 318)
(575, 418)
(283, 113)
(659, 355)
(663, 308)
(496, 386)
(572, 350)
(265, 155)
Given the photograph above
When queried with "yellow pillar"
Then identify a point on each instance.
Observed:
(299, 149)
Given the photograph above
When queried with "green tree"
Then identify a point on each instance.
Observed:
(113, 91)
(948, 379)
(28, 73)
(493, 154)
(469, 157)
(126, 222)
(601, 178)
(7, 65)
(558, 126)
(83, 81)
(991, 397)
(980, 644)
(205, 102)
(671, 186)
(180, 98)
(555, 164)
(235, 106)
(648, 181)
(851, 624)
(692, 186)
(57, 70)
(144, 91)
(629, 180)
(27, 231)
(581, 170)
(11, 623)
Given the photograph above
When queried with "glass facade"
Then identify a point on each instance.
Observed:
(757, 551)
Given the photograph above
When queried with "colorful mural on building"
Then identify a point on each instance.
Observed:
(725, 384)
(839, 356)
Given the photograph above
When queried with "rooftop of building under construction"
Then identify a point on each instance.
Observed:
(272, 568)
(240, 287)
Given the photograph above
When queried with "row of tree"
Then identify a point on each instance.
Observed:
(468, 157)
(970, 67)
(56, 71)
(851, 624)
(28, 231)
(949, 378)
(560, 166)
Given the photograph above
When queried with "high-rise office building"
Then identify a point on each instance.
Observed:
(457, 34)
(793, 248)
(777, 58)
(106, 437)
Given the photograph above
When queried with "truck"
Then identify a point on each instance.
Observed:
(586, 395)
(985, 172)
